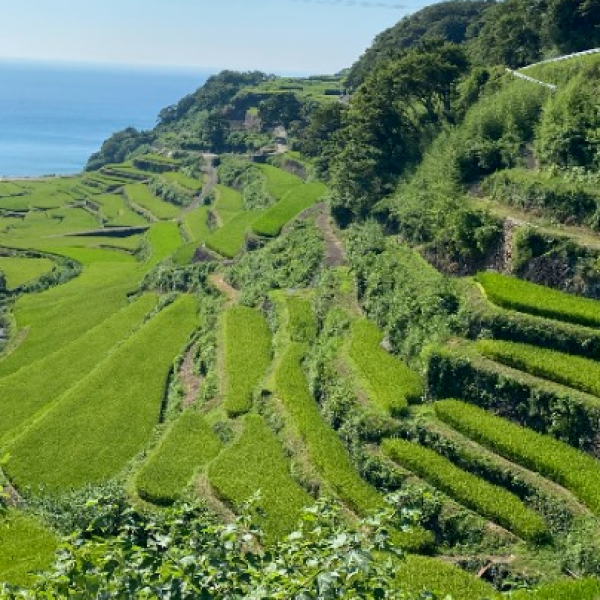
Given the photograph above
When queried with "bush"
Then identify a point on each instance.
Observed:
(545, 194)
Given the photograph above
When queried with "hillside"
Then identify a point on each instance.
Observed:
(285, 305)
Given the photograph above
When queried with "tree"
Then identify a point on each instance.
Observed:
(574, 25)
(392, 118)
(511, 34)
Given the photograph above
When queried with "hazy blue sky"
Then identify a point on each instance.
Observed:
(271, 35)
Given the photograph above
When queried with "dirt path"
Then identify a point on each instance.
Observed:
(232, 294)
(190, 380)
(335, 255)
(581, 235)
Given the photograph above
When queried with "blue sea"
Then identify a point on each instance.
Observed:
(54, 116)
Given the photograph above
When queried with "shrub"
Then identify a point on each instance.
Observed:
(548, 195)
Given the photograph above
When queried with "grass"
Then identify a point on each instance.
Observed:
(164, 240)
(302, 323)
(488, 500)
(574, 470)
(91, 433)
(139, 194)
(189, 444)
(247, 355)
(424, 574)
(573, 371)
(228, 204)
(189, 183)
(196, 223)
(272, 221)
(325, 449)
(30, 389)
(534, 299)
(116, 212)
(569, 589)
(255, 462)
(280, 182)
(388, 382)
(229, 240)
(19, 270)
(54, 318)
(26, 547)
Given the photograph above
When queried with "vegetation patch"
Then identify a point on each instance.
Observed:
(247, 355)
(19, 270)
(302, 323)
(30, 389)
(26, 547)
(324, 447)
(488, 500)
(189, 444)
(534, 299)
(255, 463)
(121, 399)
(196, 223)
(573, 371)
(389, 383)
(423, 574)
(164, 240)
(139, 194)
(272, 221)
(63, 313)
(279, 182)
(228, 204)
(576, 471)
(229, 239)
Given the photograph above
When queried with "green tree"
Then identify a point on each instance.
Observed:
(392, 118)
(574, 25)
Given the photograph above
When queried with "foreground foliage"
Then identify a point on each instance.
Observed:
(182, 553)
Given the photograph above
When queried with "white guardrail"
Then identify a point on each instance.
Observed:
(550, 86)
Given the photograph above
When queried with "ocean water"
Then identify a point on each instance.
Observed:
(53, 117)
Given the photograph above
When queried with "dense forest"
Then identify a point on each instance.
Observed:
(344, 336)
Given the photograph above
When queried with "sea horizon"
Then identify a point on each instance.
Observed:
(54, 115)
